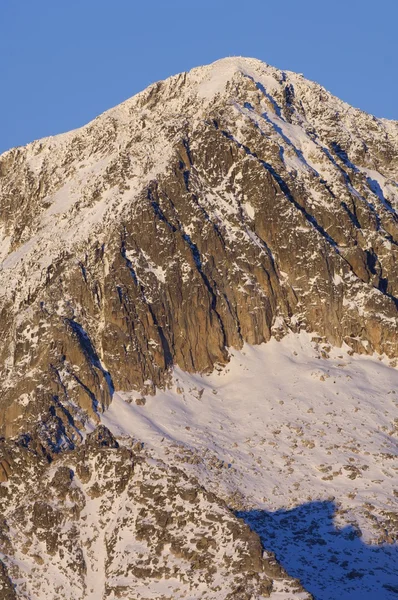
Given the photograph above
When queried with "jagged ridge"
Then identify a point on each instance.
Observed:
(223, 205)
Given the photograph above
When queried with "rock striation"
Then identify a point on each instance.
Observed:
(227, 205)
(224, 205)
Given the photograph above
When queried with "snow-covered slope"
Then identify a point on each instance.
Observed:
(303, 446)
(244, 195)
(146, 258)
(104, 523)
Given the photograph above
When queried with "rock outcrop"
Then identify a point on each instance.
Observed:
(103, 522)
(230, 204)
(224, 205)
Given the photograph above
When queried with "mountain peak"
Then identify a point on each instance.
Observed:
(198, 270)
(235, 161)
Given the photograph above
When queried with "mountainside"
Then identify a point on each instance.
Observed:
(217, 210)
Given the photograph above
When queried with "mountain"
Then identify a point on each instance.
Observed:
(144, 260)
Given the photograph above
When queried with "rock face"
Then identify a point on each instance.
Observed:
(223, 205)
(102, 522)
(230, 204)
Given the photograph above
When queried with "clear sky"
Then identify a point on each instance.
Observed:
(63, 62)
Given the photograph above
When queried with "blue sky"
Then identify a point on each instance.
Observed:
(64, 62)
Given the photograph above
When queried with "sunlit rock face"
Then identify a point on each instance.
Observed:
(103, 522)
(232, 204)
(223, 205)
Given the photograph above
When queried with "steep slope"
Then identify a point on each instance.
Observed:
(106, 523)
(144, 259)
(220, 206)
(302, 445)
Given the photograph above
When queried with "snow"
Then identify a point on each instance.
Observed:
(281, 428)
(15, 257)
(385, 189)
(217, 78)
(250, 210)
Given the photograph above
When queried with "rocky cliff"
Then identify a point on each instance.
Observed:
(223, 206)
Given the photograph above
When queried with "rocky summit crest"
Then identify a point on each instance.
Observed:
(224, 205)
(227, 205)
